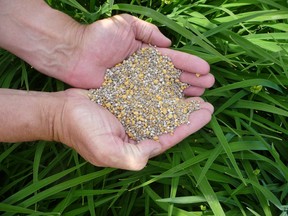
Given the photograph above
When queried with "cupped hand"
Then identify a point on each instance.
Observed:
(92, 130)
(101, 139)
(107, 42)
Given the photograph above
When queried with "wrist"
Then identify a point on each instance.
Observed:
(43, 37)
(28, 116)
(51, 107)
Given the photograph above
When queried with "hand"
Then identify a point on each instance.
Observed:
(109, 41)
(79, 55)
(92, 130)
(105, 43)
(71, 118)
(100, 138)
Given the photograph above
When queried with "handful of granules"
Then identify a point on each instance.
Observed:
(145, 94)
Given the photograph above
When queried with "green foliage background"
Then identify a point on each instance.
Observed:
(236, 165)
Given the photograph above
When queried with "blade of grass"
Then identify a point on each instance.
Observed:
(13, 184)
(256, 121)
(20, 210)
(231, 101)
(90, 200)
(232, 23)
(37, 158)
(272, 46)
(243, 84)
(273, 4)
(235, 147)
(245, 104)
(214, 154)
(75, 4)
(251, 48)
(238, 203)
(273, 99)
(169, 23)
(222, 141)
(282, 167)
(263, 202)
(81, 210)
(62, 205)
(269, 196)
(204, 184)
(65, 185)
(7, 152)
(6, 80)
(174, 183)
(269, 36)
(28, 190)
(194, 30)
(176, 211)
(183, 200)
(24, 76)
(272, 15)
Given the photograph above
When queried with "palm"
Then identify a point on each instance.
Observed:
(89, 127)
(100, 138)
(108, 42)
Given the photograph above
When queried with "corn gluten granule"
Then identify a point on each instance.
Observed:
(145, 94)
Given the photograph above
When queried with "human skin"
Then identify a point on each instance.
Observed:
(79, 55)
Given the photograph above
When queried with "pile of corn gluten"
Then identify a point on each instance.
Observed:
(145, 94)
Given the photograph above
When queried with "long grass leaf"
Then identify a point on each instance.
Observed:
(24, 76)
(254, 105)
(243, 84)
(214, 154)
(64, 185)
(18, 209)
(176, 211)
(222, 141)
(263, 202)
(28, 190)
(169, 23)
(230, 101)
(81, 210)
(7, 152)
(280, 164)
(272, 15)
(184, 200)
(229, 24)
(75, 4)
(174, 183)
(204, 184)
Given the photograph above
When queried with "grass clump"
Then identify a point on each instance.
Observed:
(236, 165)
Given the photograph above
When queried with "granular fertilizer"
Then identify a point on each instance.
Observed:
(145, 94)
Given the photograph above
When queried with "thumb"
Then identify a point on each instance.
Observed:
(147, 32)
(137, 155)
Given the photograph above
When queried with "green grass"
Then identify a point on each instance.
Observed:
(236, 165)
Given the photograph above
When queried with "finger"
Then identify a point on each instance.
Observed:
(194, 91)
(204, 81)
(187, 62)
(147, 32)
